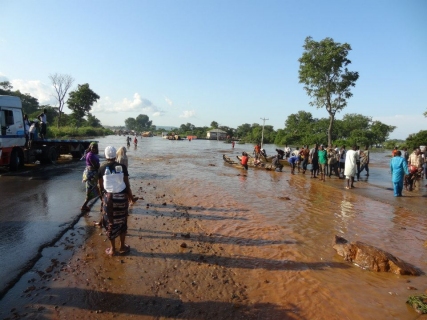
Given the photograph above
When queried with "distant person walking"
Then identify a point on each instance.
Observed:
(398, 168)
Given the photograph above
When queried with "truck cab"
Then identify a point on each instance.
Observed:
(12, 132)
(13, 150)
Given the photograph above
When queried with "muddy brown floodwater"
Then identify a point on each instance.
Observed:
(212, 242)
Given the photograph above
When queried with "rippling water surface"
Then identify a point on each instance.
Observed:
(285, 224)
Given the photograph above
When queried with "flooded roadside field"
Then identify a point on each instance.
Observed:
(277, 230)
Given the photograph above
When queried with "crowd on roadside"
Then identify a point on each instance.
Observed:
(339, 162)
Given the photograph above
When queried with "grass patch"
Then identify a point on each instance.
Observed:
(73, 132)
(419, 303)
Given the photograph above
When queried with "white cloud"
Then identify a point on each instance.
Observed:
(136, 104)
(43, 92)
(3, 77)
(187, 114)
(168, 101)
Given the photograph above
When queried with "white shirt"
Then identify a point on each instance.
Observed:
(32, 128)
(350, 163)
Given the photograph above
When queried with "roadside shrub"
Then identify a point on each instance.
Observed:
(73, 132)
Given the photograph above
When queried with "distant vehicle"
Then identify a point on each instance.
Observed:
(13, 152)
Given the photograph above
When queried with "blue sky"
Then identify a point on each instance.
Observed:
(234, 62)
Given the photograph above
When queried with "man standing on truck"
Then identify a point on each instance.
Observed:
(27, 125)
(43, 121)
(32, 133)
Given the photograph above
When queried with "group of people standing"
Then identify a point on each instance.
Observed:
(322, 162)
(406, 169)
(110, 181)
(349, 164)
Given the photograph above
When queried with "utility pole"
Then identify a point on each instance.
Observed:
(262, 132)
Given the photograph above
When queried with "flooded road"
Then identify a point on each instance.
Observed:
(37, 206)
(278, 227)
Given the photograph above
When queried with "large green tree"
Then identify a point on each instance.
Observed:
(243, 130)
(380, 132)
(186, 128)
(302, 128)
(141, 123)
(214, 125)
(5, 87)
(361, 130)
(323, 71)
(415, 140)
(130, 123)
(81, 100)
(93, 121)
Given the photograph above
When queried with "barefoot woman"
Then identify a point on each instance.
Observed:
(116, 195)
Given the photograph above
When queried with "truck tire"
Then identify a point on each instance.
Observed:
(16, 160)
(78, 154)
(50, 156)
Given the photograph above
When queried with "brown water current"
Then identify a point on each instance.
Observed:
(266, 235)
(288, 243)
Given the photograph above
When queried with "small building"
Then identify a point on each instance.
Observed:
(216, 134)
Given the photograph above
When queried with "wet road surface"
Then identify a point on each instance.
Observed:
(37, 206)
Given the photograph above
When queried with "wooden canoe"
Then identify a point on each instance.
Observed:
(251, 164)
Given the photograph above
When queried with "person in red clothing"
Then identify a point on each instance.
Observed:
(257, 150)
(244, 160)
(394, 151)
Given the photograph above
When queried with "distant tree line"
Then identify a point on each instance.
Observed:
(302, 129)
